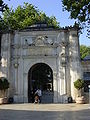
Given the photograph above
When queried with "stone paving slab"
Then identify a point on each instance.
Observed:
(45, 112)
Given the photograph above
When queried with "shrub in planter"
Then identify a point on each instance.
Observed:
(79, 84)
(4, 85)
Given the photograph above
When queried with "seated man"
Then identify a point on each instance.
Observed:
(39, 93)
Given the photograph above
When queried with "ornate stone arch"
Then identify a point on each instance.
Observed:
(30, 64)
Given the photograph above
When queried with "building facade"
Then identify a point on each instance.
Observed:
(41, 56)
(86, 72)
(86, 76)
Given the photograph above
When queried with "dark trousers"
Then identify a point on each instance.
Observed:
(40, 99)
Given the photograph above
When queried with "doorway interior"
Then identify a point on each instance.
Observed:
(40, 76)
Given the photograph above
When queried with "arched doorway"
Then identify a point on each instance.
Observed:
(40, 76)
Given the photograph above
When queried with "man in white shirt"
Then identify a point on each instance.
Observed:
(39, 93)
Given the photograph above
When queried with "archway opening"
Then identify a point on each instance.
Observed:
(40, 76)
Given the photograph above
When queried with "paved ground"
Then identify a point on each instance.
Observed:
(45, 112)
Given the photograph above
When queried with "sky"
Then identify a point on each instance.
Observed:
(52, 8)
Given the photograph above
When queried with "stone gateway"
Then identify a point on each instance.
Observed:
(41, 56)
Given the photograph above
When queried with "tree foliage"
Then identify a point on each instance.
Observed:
(3, 6)
(79, 9)
(24, 16)
(84, 51)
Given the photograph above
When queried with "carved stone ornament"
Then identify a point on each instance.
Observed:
(16, 65)
(40, 41)
(28, 41)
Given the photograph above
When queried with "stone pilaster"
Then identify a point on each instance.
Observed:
(74, 56)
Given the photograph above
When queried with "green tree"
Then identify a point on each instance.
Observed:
(80, 10)
(24, 16)
(3, 6)
(84, 51)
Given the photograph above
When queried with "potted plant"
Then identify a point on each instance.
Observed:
(4, 85)
(79, 84)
